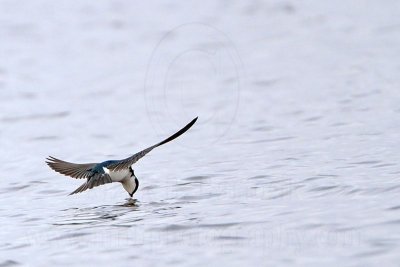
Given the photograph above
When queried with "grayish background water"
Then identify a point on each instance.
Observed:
(294, 159)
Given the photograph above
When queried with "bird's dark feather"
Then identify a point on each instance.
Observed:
(125, 163)
(93, 181)
(74, 170)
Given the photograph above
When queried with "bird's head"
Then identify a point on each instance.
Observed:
(131, 185)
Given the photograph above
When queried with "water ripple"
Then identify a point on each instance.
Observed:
(35, 117)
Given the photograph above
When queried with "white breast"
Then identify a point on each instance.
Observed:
(117, 176)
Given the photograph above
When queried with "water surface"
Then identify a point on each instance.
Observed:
(294, 159)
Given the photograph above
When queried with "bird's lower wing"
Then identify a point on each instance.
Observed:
(125, 163)
(95, 180)
(73, 170)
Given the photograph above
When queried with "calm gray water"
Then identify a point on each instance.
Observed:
(294, 160)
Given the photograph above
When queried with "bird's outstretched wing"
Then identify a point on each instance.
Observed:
(96, 180)
(125, 163)
(74, 170)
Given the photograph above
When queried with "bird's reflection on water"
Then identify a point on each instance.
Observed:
(130, 202)
(98, 215)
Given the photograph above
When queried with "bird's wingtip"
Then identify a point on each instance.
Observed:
(50, 160)
(193, 121)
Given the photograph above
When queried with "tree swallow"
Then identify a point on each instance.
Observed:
(108, 171)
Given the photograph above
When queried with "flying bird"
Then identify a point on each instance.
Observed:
(108, 171)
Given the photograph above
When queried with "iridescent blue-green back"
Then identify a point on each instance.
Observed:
(99, 167)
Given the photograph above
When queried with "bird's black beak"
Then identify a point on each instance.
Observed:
(131, 194)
